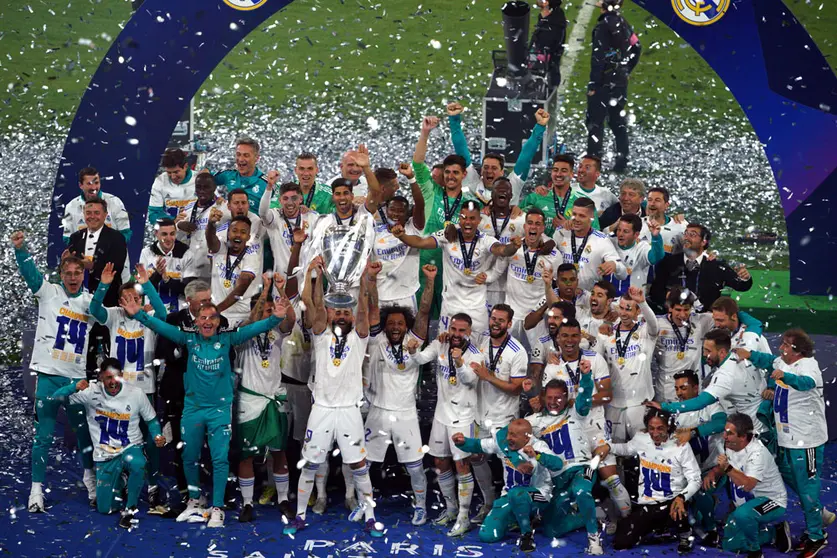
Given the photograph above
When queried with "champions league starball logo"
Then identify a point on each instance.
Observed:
(245, 5)
(700, 12)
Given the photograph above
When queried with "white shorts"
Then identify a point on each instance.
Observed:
(327, 425)
(479, 323)
(624, 423)
(397, 428)
(440, 440)
(299, 401)
(408, 302)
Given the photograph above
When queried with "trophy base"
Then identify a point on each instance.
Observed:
(339, 300)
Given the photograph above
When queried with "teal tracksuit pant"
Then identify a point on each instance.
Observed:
(215, 425)
(109, 480)
(572, 485)
(800, 469)
(748, 527)
(46, 409)
(515, 506)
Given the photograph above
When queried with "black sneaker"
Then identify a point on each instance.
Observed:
(783, 538)
(246, 514)
(803, 541)
(620, 165)
(685, 544)
(812, 548)
(287, 511)
(155, 497)
(127, 518)
(229, 495)
(712, 539)
(755, 554)
(527, 542)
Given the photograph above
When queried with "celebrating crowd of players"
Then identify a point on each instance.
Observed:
(582, 338)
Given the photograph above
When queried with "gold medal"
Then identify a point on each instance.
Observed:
(530, 279)
(452, 380)
(336, 362)
(681, 355)
(635, 336)
(621, 361)
(265, 363)
(467, 271)
(227, 283)
(575, 265)
(447, 223)
(401, 366)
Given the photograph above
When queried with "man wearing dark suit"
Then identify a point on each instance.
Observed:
(694, 270)
(631, 196)
(99, 245)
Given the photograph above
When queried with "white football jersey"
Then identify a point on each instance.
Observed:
(114, 420)
(133, 345)
(569, 373)
(456, 397)
(665, 471)
(539, 479)
(173, 198)
(706, 448)
(62, 333)
(756, 462)
(460, 293)
(672, 356)
(671, 232)
(601, 196)
(565, 434)
(524, 290)
(504, 232)
(393, 377)
(297, 358)
(800, 415)
(280, 229)
(496, 407)
(224, 279)
(399, 275)
(176, 268)
(636, 264)
(597, 250)
(339, 377)
(259, 361)
(199, 216)
(473, 183)
(257, 231)
(738, 388)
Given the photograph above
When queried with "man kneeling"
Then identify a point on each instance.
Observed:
(114, 409)
(526, 464)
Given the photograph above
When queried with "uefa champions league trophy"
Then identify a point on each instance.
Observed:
(345, 250)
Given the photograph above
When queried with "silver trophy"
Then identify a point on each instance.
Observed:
(345, 250)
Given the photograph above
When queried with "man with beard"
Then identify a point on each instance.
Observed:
(562, 425)
(636, 254)
(501, 377)
(590, 251)
(799, 414)
(657, 203)
(443, 198)
(567, 291)
(628, 351)
(493, 163)
(756, 489)
(280, 224)
(557, 205)
(525, 269)
(696, 272)
(589, 171)
(399, 277)
(173, 189)
(315, 196)
(501, 222)
(466, 262)
(547, 344)
(737, 387)
(564, 365)
(191, 225)
(168, 262)
(527, 463)
(394, 375)
(236, 268)
(631, 193)
(340, 343)
(238, 206)
(456, 411)
(246, 174)
(669, 477)
(91, 189)
(58, 358)
(679, 344)
(598, 312)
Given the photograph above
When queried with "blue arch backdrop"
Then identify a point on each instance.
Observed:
(761, 52)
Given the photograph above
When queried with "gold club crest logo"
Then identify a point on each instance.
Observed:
(700, 12)
(245, 5)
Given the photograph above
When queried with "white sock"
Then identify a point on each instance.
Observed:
(619, 494)
(447, 483)
(306, 484)
(482, 474)
(419, 482)
(349, 480)
(364, 491)
(89, 474)
(247, 489)
(466, 492)
(281, 481)
(37, 488)
(321, 480)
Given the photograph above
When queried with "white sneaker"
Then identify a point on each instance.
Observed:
(462, 526)
(594, 545)
(481, 515)
(319, 506)
(446, 518)
(216, 519)
(357, 514)
(194, 512)
(36, 502)
(828, 517)
(419, 516)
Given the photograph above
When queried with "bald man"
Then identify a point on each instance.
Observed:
(351, 171)
(527, 463)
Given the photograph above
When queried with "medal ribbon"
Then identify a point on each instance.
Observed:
(310, 197)
(263, 342)
(340, 345)
(574, 376)
(621, 349)
(467, 254)
(561, 207)
(398, 354)
(229, 271)
(451, 211)
(499, 233)
(384, 218)
(351, 220)
(577, 253)
(451, 364)
(494, 360)
(681, 341)
(292, 227)
(530, 264)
